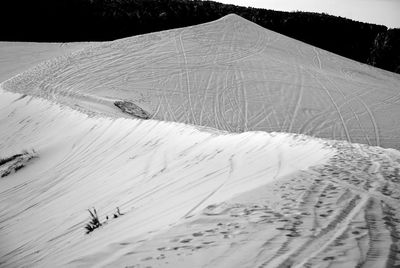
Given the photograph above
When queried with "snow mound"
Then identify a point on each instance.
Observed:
(229, 74)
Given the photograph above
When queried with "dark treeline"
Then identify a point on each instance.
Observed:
(100, 20)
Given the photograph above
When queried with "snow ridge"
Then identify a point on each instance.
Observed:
(229, 74)
(157, 173)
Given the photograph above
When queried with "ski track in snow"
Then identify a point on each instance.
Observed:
(178, 75)
(190, 196)
(201, 195)
(345, 212)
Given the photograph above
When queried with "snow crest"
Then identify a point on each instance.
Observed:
(156, 173)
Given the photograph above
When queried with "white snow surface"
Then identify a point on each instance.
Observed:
(20, 56)
(229, 74)
(200, 184)
(156, 172)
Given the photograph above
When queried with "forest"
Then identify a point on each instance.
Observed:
(104, 20)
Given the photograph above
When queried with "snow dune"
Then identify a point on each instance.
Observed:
(229, 74)
(157, 173)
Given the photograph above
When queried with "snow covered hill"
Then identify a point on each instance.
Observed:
(232, 75)
(170, 194)
(156, 172)
(188, 195)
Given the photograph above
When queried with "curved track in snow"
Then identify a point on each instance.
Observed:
(231, 75)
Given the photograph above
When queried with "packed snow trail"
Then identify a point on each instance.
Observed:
(345, 213)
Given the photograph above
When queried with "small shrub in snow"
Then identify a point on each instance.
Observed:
(132, 109)
(9, 159)
(14, 163)
(116, 215)
(94, 221)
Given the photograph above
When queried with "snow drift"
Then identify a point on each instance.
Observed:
(156, 172)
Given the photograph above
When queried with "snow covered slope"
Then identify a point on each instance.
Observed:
(231, 75)
(169, 194)
(157, 173)
(187, 196)
(17, 57)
